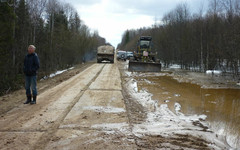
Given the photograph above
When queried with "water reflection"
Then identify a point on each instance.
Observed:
(222, 106)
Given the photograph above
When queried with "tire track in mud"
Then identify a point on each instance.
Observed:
(135, 111)
(47, 136)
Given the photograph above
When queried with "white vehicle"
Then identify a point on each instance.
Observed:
(122, 55)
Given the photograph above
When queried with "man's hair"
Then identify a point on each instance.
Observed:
(32, 47)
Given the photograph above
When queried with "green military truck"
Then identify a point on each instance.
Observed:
(105, 53)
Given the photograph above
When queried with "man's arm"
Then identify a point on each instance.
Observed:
(36, 62)
(24, 65)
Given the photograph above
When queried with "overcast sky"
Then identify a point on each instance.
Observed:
(112, 17)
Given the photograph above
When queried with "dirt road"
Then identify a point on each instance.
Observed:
(71, 115)
(93, 110)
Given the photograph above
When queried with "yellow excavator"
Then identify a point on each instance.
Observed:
(144, 58)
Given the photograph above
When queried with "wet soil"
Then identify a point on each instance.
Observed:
(91, 107)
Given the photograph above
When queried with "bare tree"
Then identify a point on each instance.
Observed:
(237, 7)
(36, 10)
(215, 7)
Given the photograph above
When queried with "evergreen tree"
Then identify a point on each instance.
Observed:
(6, 42)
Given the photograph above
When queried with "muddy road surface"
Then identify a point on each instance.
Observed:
(83, 112)
(102, 107)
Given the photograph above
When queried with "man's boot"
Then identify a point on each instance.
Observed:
(34, 100)
(29, 97)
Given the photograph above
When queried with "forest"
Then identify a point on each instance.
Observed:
(55, 28)
(206, 40)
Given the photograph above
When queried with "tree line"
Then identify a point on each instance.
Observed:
(54, 27)
(201, 41)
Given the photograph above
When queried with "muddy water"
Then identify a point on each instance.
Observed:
(222, 106)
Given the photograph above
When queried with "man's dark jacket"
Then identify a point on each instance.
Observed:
(31, 64)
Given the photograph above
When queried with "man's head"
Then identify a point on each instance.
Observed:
(31, 49)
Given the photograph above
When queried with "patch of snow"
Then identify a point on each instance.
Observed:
(126, 65)
(166, 101)
(146, 74)
(233, 141)
(111, 127)
(220, 131)
(93, 140)
(174, 66)
(142, 96)
(134, 86)
(210, 87)
(107, 109)
(215, 72)
(44, 78)
(56, 73)
(165, 93)
(128, 73)
(177, 107)
(177, 95)
(164, 122)
(105, 61)
(213, 102)
(207, 95)
(147, 81)
(238, 84)
(229, 138)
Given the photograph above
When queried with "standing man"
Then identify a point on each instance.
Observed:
(31, 65)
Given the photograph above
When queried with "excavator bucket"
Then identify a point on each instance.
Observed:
(135, 66)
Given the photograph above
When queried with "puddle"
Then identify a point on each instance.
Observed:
(222, 106)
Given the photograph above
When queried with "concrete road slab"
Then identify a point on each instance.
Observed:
(109, 79)
(96, 107)
(50, 104)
